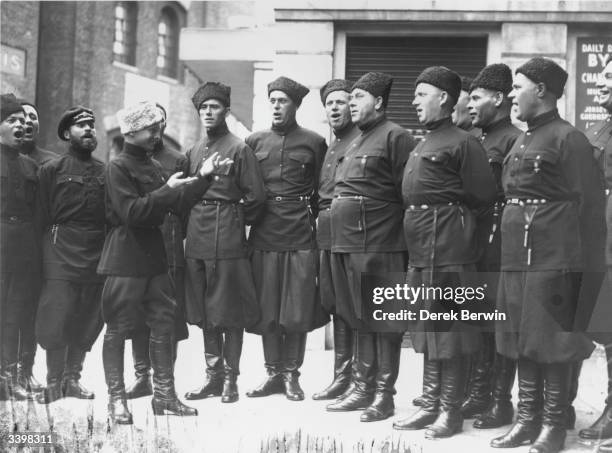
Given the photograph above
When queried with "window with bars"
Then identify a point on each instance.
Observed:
(167, 43)
(124, 44)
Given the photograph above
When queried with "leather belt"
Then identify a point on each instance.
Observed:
(299, 198)
(423, 207)
(524, 201)
(216, 202)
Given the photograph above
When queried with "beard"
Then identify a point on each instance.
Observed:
(85, 143)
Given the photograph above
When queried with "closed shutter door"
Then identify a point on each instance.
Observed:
(404, 58)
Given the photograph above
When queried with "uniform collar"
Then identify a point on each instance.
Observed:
(286, 129)
(439, 124)
(79, 153)
(499, 124)
(134, 151)
(9, 151)
(542, 119)
(373, 124)
(344, 132)
(218, 131)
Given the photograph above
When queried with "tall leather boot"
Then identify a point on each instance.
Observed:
(232, 349)
(72, 375)
(428, 413)
(343, 359)
(213, 355)
(452, 387)
(529, 421)
(576, 368)
(501, 411)
(56, 359)
(272, 344)
(362, 394)
(165, 401)
(419, 401)
(480, 379)
(26, 377)
(388, 351)
(557, 383)
(602, 427)
(10, 354)
(112, 358)
(353, 370)
(142, 367)
(294, 348)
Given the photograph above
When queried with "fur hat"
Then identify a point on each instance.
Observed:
(494, 77)
(9, 104)
(377, 84)
(296, 91)
(212, 90)
(72, 116)
(443, 78)
(546, 71)
(138, 116)
(335, 85)
(465, 83)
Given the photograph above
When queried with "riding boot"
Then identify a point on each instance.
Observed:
(428, 413)
(501, 411)
(362, 393)
(557, 383)
(165, 401)
(232, 348)
(112, 358)
(142, 386)
(388, 351)
(480, 379)
(213, 356)
(452, 386)
(294, 348)
(529, 421)
(343, 358)
(602, 427)
(56, 359)
(272, 344)
(353, 371)
(72, 375)
(26, 377)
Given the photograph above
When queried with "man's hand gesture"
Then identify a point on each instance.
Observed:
(213, 163)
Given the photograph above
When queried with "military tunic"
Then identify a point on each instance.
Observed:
(134, 255)
(335, 153)
(71, 203)
(19, 249)
(220, 287)
(283, 240)
(446, 179)
(173, 232)
(554, 192)
(366, 215)
(37, 154)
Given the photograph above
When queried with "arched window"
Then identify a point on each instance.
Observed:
(124, 44)
(167, 43)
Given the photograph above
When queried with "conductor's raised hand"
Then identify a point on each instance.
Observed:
(212, 163)
(177, 180)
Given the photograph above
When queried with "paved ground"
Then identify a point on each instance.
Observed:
(252, 425)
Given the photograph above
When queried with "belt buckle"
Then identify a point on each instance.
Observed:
(278, 198)
(607, 192)
(13, 218)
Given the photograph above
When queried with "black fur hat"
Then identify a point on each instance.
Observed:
(495, 77)
(296, 91)
(443, 78)
(335, 85)
(212, 90)
(377, 84)
(546, 71)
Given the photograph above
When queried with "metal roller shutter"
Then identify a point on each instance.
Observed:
(404, 58)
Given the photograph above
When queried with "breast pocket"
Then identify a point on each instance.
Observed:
(71, 185)
(436, 158)
(539, 162)
(363, 166)
(299, 168)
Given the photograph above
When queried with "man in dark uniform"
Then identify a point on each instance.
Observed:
(71, 203)
(492, 375)
(220, 288)
(134, 260)
(600, 136)
(172, 230)
(366, 218)
(27, 340)
(461, 113)
(19, 244)
(335, 98)
(447, 177)
(554, 195)
(284, 255)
